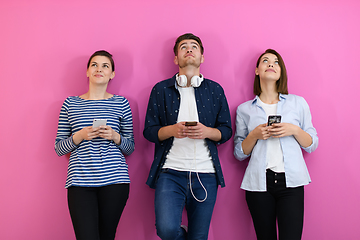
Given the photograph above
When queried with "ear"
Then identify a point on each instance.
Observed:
(176, 60)
(87, 73)
(202, 59)
(112, 75)
(256, 71)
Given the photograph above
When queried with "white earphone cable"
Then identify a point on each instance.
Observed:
(198, 177)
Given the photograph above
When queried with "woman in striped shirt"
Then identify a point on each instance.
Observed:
(97, 179)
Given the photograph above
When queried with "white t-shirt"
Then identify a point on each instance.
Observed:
(274, 154)
(189, 154)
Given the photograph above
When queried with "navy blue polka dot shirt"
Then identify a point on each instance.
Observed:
(163, 109)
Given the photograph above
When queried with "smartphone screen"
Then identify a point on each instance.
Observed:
(274, 119)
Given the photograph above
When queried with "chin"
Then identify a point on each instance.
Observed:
(193, 64)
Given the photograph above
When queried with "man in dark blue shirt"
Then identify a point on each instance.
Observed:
(187, 117)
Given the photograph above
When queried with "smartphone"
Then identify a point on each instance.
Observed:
(190, 123)
(99, 122)
(274, 119)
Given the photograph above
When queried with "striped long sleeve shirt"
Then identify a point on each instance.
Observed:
(97, 162)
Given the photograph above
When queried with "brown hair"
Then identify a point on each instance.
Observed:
(187, 36)
(281, 84)
(104, 54)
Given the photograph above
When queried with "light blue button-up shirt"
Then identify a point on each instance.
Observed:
(293, 109)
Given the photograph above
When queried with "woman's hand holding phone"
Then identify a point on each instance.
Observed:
(87, 133)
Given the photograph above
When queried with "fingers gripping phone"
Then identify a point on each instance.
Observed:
(190, 123)
(274, 119)
(99, 122)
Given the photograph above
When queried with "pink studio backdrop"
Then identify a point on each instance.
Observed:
(44, 49)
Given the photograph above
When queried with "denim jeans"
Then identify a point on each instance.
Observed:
(173, 193)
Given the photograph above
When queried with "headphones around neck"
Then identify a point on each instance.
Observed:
(195, 80)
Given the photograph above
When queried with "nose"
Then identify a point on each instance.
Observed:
(189, 49)
(270, 65)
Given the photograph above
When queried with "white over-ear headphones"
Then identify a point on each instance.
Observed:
(195, 80)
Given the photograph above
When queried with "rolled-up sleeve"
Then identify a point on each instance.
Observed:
(223, 121)
(240, 134)
(308, 127)
(152, 120)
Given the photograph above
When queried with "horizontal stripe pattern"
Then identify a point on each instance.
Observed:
(98, 162)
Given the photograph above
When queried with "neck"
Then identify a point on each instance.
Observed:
(97, 92)
(269, 93)
(189, 72)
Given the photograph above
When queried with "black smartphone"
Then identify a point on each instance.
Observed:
(190, 123)
(274, 119)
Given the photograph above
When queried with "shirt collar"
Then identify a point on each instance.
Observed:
(281, 96)
(172, 82)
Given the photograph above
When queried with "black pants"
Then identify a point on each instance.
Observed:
(278, 203)
(95, 211)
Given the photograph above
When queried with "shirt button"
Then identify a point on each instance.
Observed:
(275, 181)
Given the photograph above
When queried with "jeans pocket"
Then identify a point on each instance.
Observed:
(211, 175)
(164, 170)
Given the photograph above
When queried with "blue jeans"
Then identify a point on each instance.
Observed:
(173, 193)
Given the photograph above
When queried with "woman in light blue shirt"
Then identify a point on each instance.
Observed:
(276, 174)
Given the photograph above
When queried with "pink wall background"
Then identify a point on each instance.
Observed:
(43, 53)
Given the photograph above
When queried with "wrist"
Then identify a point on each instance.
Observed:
(168, 131)
(76, 138)
(116, 138)
(251, 136)
(296, 130)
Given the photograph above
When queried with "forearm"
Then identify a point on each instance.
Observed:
(249, 143)
(165, 132)
(116, 138)
(64, 146)
(77, 138)
(213, 134)
(126, 145)
(303, 138)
